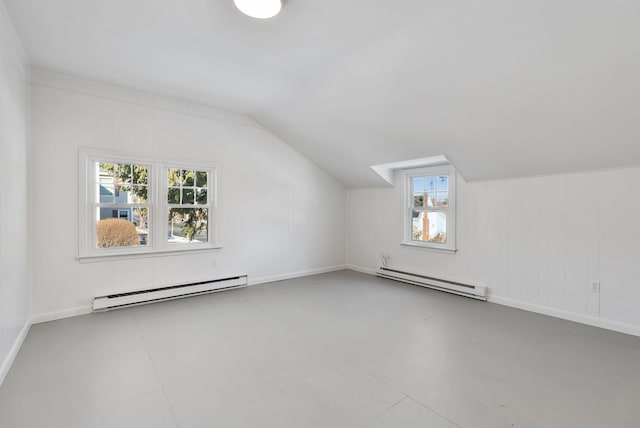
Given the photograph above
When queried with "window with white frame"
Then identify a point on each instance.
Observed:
(122, 203)
(188, 205)
(130, 205)
(429, 213)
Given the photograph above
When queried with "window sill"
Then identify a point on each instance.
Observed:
(436, 249)
(96, 258)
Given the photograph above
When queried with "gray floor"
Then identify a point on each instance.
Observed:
(334, 350)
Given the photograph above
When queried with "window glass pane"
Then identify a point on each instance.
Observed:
(141, 174)
(418, 185)
(430, 184)
(104, 213)
(173, 177)
(122, 227)
(443, 183)
(173, 196)
(442, 199)
(187, 225)
(138, 195)
(187, 196)
(105, 169)
(188, 177)
(425, 191)
(121, 194)
(121, 176)
(429, 226)
(201, 196)
(201, 178)
(122, 173)
(106, 192)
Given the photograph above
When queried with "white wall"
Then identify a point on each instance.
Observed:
(15, 300)
(536, 242)
(280, 214)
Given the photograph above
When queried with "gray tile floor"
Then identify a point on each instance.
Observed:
(335, 350)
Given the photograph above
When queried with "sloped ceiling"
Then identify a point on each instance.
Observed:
(501, 87)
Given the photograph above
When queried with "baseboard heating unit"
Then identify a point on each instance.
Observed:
(474, 291)
(121, 300)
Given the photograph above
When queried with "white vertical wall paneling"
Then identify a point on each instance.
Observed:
(132, 128)
(536, 242)
(482, 235)
(577, 228)
(465, 236)
(497, 234)
(619, 245)
(593, 240)
(551, 245)
(523, 239)
(101, 276)
(376, 217)
(279, 213)
(359, 231)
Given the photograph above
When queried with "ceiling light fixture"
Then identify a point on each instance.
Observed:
(261, 9)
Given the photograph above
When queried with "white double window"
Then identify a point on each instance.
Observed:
(130, 205)
(430, 212)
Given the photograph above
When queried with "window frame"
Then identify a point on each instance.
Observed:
(157, 204)
(164, 206)
(407, 211)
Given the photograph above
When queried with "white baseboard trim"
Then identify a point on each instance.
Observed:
(83, 310)
(556, 313)
(362, 269)
(302, 273)
(544, 310)
(64, 313)
(570, 316)
(13, 352)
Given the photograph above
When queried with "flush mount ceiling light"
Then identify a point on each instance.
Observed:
(261, 9)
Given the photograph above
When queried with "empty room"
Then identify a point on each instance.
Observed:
(319, 214)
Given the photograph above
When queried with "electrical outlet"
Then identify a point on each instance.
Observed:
(595, 286)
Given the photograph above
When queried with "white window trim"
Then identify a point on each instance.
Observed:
(158, 207)
(407, 208)
(163, 206)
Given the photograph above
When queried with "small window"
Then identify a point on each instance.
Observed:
(430, 207)
(131, 206)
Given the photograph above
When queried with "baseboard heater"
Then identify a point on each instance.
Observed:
(133, 298)
(474, 291)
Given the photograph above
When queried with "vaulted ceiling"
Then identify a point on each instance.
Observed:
(501, 87)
